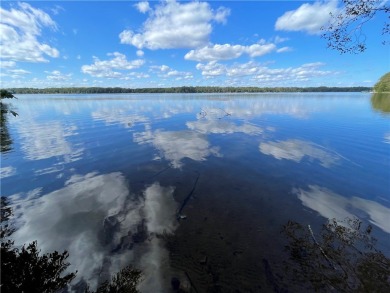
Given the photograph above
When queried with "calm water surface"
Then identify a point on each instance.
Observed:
(103, 176)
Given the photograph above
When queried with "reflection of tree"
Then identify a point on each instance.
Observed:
(342, 258)
(27, 270)
(381, 102)
(6, 140)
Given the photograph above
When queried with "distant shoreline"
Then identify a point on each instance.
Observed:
(185, 89)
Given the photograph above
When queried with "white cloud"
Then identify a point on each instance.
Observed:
(166, 72)
(332, 205)
(105, 68)
(264, 74)
(56, 75)
(174, 146)
(295, 150)
(20, 29)
(284, 49)
(176, 25)
(308, 17)
(211, 69)
(227, 51)
(7, 64)
(279, 39)
(143, 6)
(18, 71)
(140, 53)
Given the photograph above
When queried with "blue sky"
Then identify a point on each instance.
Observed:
(176, 43)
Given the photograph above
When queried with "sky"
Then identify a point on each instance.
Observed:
(135, 44)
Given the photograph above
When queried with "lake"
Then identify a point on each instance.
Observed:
(192, 186)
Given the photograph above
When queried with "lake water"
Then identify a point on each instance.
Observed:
(105, 176)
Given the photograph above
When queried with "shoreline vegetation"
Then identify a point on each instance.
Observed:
(185, 89)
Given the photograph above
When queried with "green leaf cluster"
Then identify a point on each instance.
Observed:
(383, 85)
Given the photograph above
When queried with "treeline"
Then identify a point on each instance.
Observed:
(184, 89)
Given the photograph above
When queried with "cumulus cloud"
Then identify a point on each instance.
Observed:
(56, 75)
(308, 17)
(20, 29)
(227, 51)
(174, 146)
(211, 68)
(175, 25)
(295, 150)
(332, 205)
(105, 68)
(263, 74)
(7, 64)
(165, 71)
(140, 53)
(143, 6)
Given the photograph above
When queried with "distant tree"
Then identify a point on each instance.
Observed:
(342, 258)
(344, 32)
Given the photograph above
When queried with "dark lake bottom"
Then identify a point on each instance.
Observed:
(194, 190)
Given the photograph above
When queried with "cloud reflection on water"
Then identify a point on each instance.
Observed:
(119, 116)
(174, 146)
(7, 172)
(43, 140)
(223, 127)
(295, 150)
(332, 205)
(97, 219)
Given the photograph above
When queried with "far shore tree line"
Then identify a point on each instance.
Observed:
(185, 89)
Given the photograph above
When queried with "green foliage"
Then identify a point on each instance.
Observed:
(125, 281)
(26, 270)
(383, 85)
(4, 94)
(344, 32)
(342, 258)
